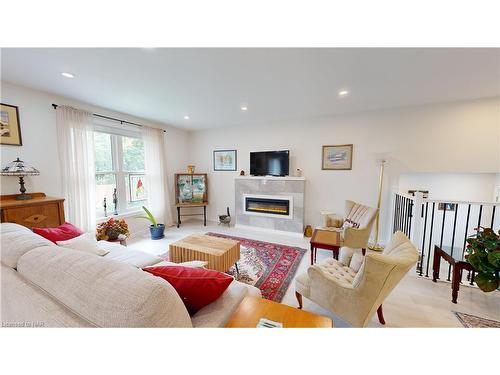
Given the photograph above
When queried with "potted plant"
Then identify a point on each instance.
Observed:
(157, 230)
(484, 255)
(112, 229)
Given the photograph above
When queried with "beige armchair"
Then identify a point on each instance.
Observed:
(363, 216)
(355, 296)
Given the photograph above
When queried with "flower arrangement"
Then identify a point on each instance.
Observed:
(112, 230)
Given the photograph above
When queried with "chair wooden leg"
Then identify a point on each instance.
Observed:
(380, 315)
(299, 299)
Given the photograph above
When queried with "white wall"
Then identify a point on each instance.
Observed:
(496, 193)
(468, 187)
(40, 149)
(456, 138)
(476, 187)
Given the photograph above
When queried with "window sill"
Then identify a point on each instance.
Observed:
(119, 216)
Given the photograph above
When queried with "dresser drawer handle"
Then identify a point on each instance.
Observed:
(35, 219)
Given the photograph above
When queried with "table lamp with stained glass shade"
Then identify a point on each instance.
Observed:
(18, 168)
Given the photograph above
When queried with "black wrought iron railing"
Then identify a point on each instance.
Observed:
(403, 214)
(447, 224)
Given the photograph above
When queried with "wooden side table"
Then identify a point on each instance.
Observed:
(458, 265)
(325, 239)
(252, 309)
(40, 211)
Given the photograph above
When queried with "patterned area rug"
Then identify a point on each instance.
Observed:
(472, 321)
(267, 266)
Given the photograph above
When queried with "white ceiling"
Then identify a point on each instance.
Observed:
(210, 85)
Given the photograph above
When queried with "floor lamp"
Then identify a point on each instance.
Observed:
(375, 246)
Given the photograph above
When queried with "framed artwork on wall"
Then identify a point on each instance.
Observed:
(448, 206)
(225, 160)
(424, 192)
(9, 125)
(137, 190)
(337, 157)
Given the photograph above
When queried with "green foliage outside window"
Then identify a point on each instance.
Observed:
(133, 154)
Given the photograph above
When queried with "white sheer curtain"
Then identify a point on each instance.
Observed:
(156, 174)
(75, 134)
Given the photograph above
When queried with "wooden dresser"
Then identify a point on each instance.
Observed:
(41, 211)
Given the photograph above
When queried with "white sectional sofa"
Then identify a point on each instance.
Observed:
(50, 286)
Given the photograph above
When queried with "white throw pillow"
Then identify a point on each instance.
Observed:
(110, 246)
(86, 242)
(349, 224)
(356, 262)
(345, 255)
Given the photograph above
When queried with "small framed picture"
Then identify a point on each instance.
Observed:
(137, 189)
(337, 157)
(448, 206)
(10, 129)
(425, 193)
(225, 160)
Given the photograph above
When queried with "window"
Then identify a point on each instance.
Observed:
(119, 164)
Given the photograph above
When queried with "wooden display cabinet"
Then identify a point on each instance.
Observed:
(191, 190)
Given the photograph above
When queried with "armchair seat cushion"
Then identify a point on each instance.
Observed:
(336, 270)
(333, 269)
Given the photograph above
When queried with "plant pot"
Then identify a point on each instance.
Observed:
(157, 232)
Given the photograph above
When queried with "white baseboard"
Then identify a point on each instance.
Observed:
(259, 229)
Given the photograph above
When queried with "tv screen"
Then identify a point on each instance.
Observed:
(269, 163)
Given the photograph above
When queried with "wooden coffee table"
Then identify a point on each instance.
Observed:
(220, 253)
(252, 309)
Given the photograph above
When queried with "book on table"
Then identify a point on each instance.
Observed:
(267, 323)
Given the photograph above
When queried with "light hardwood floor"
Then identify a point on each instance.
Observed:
(416, 301)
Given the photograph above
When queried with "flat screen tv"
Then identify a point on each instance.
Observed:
(269, 163)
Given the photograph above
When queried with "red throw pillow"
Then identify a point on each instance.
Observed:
(63, 232)
(197, 287)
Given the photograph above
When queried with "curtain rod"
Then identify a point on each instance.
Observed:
(111, 118)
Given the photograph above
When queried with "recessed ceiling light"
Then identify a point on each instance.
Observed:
(186, 117)
(67, 75)
(244, 108)
(343, 92)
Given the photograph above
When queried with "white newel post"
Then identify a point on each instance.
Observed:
(417, 222)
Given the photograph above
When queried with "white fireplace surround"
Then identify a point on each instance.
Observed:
(261, 196)
(290, 188)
